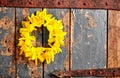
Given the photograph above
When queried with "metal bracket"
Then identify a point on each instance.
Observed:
(110, 72)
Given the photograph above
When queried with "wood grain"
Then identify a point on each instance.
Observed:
(85, 43)
(61, 61)
(89, 32)
(26, 69)
(7, 39)
(113, 38)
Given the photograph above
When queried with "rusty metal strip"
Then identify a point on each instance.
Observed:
(93, 4)
(35, 3)
(110, 72)
(98, 4)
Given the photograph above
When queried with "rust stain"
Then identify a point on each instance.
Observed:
(6, 53)
(8, 40)
(65, 18)
(66, 62)
(72, 27)
(65, 21)
(118, 52)
(6, 22)
(11, 71)
(18, 57)
(0, 32)
(25, 12)
(45, 67)
(113, 39)
(99, 4)
(33, 70)
(3, 9)
(8, 43)
(72, 18)
(91, 20)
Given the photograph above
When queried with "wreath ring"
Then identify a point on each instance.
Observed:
(56, 37)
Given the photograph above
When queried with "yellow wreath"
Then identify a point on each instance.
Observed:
(56, 37)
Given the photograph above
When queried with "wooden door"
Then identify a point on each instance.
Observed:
(92, 41)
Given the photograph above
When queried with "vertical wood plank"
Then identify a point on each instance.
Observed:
(61, 61)
(7, 48)
(27, 69)
(113, 38)
(89, 38)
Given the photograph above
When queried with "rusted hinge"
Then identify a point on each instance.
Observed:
(110, 72)
(93, 4)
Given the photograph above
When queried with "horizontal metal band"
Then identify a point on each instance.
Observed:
(89, 4)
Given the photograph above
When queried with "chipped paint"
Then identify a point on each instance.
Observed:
(90, 35)
(6, 53)
(6, 22)
(81, 27)
(7, 38)
(65, 18)
(3, 9)
(33, 70)
(66, 62)
(11, 71)
(86, 39)
(88, 62)
(91, 19)
(65, 21)
(25, 12)
(6, 42)
(105, 46)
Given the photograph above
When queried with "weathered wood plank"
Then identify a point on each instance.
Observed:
(7, 39)
(61, 61)
(27, 69)
(113, 38)
(89, 29)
